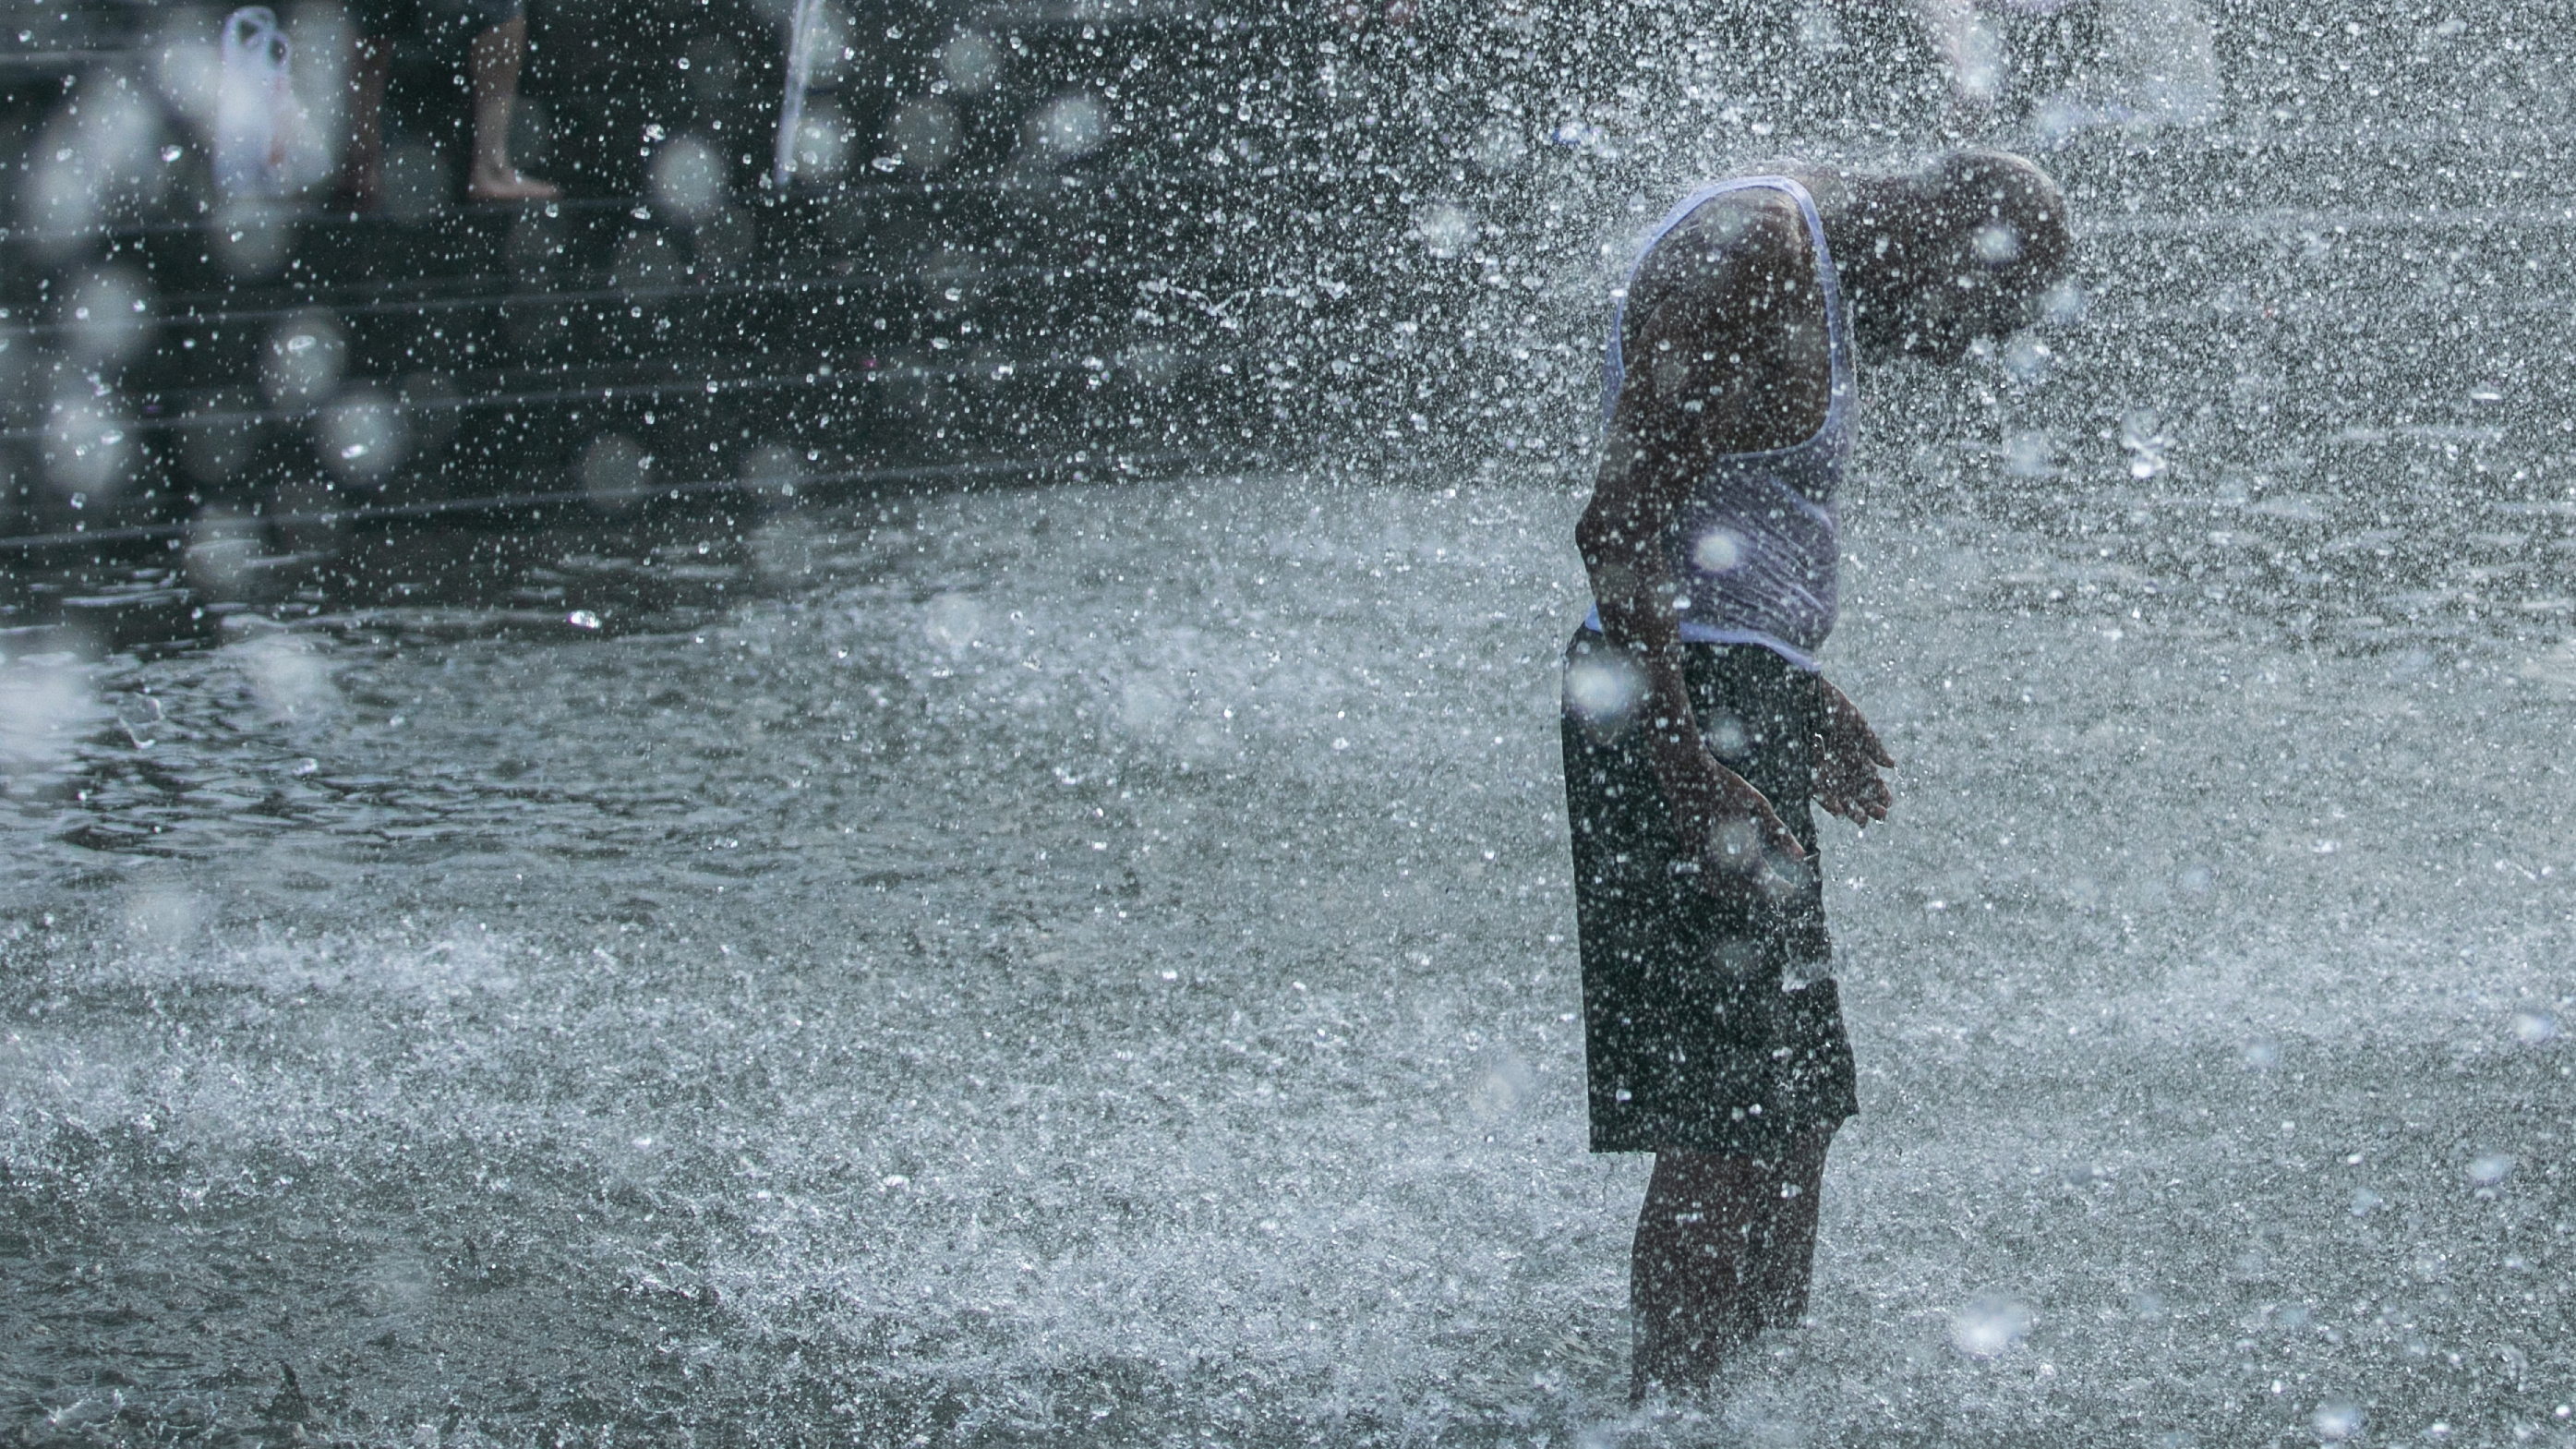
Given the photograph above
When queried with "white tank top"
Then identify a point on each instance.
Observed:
(1755, 548)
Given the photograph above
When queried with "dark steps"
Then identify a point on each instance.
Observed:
(1236, 268)
(1009, 310)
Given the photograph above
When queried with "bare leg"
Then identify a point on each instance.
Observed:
(498, 53)
(362, 174)
(1686, 1287)
(1724, 1249)
(1788, 1259)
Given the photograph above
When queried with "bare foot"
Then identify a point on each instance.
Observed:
(509, 186)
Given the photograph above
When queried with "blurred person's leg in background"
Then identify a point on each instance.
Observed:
(499, 51)
(374, 24)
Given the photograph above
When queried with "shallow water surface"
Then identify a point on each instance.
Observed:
(1096, 964)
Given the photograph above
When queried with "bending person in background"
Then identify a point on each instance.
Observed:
(1696, 725)
(499, 49)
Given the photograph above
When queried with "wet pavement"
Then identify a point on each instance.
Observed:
(1095, 962)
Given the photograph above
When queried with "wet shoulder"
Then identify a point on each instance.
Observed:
(1739, 240)
(1723, 323)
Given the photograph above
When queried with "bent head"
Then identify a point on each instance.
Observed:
(1974, 241)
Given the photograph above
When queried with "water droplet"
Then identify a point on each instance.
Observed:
(614, 471)
(106, 322)
(2337, 1420)
(1989, 1326)
(306, 356)
(361, 436)
(2064, 303)
(582, 619)
(1498, 147)
(924, 135)
(2027, 358)
(2531, 1028)
(1067, 128)
(2030, 455)
(1601, 689)
(1725, 735)
(688, 177)
(821, 146)
(1718, 551)
(1446, 228)
(954, 622)
(85, 448)
(2142, 437)
(971, 63)
(2489, 1168)
(141, 716)
(1501, 1088)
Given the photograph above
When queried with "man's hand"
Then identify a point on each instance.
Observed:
(1848, 760)
(1722, 822)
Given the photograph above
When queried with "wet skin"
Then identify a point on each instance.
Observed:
(1727, 352)
(1739, 1225)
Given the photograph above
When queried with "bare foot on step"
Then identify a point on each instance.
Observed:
(509, 185)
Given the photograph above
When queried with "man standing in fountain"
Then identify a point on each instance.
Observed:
(1697, 727)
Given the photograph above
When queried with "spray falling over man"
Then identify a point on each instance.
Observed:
(1697, 726)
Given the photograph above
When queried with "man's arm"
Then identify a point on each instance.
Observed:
(1848, 759)
(1704, 358)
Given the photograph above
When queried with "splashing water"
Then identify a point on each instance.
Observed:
(1989, 1326)
(42, 704)
(1447, 229)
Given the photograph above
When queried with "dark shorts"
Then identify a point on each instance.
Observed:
(442, 20)
(1709, 1024)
